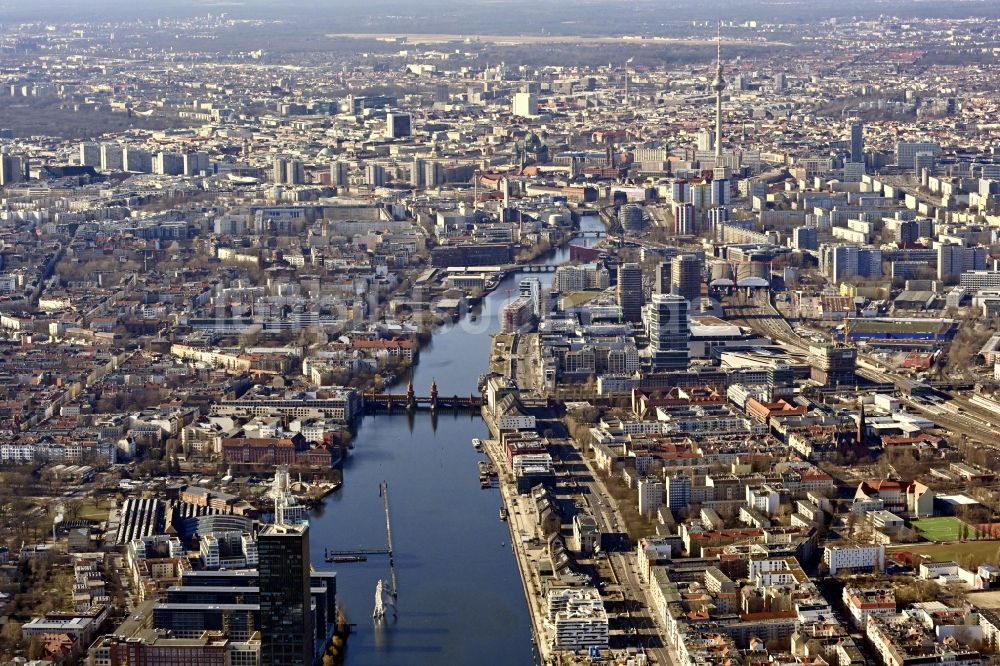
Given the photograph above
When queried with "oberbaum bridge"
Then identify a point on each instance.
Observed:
(410, 401)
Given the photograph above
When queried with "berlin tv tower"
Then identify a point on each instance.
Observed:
(718, 85)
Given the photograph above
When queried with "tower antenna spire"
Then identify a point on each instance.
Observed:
(718, 44)
(718, 84)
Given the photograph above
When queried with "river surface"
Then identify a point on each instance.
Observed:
(460, 595)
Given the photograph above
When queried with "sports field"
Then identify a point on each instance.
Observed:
(969, 553)
(943, 528)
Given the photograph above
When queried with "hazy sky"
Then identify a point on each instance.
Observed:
(531, 15)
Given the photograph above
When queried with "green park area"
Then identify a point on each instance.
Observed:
(942, 529)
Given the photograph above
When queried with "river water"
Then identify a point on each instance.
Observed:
(460, 596)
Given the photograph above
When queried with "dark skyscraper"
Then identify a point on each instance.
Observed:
(685, 277)
(12, 169)
(285, 614)
(398, 125)
(857, 142)
(629, 292)
(661, 282)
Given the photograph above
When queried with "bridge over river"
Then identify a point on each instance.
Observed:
(411, 401)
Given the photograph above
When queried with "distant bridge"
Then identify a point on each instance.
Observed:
(411, 401)
(589, 234)
(515, 268)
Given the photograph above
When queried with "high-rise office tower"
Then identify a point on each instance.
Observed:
(629, 292)
(661, 280)
(906, 153)
(832, 364)
(195, 163)
(975, 258)
(286, 629)
(531, 287)
(339, 174)
(418, 172)
(278, 169)
(398, 125)
(525, 105)
(854, 172)
(677, 491)
(716, 216)
(374, 175)
(857, 142)
(685, 276)
(433, 174)
(288, 171)
(705, 141)
(839, 261)
(720, 192)
(90, 154)
(922, 161)
(950, 262)
(684, 219)
(295, 173)
(805, 238)
(680, 191)
(137, 160)
(112, 157)
(907, 232)
(168, 164)
(12, 169)
(842, 261)
(668, 332)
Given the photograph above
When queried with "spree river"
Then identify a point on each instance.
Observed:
(460, 595)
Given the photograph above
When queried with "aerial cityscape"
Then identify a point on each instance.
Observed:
(472, 333)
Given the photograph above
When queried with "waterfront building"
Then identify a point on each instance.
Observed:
(531, 288)
(632, 218)
(579, 278)
(286, 620)
(578, 618)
